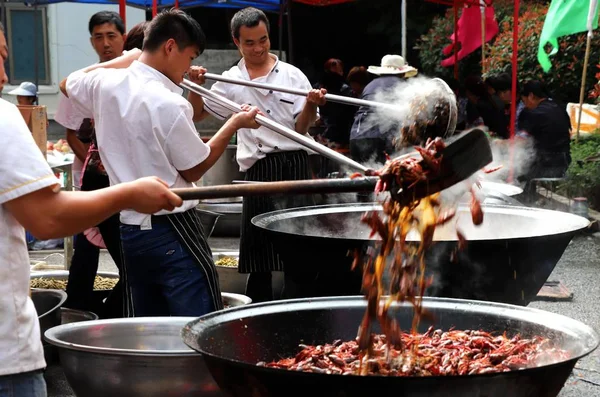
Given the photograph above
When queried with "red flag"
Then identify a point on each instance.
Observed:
(469, 32)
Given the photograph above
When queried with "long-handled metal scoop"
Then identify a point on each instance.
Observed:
(461, 158)
(444, 90)
(276, 127)
(295, 91)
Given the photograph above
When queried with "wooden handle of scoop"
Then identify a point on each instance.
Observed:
(309, 186)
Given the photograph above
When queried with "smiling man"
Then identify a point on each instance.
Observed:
(263, 154)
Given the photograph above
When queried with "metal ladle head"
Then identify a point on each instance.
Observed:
(433, 114)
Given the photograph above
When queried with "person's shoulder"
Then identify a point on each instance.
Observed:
(12, 124)
(290, 69)
(170, 104)
(10, 113)
(233, 71)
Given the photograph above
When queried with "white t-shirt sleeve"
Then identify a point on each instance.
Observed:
(82, 87)
(214, 108)
(66, 115)
(183, 146)
(23, 169)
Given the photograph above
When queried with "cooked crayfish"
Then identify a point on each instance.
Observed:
(432, 353)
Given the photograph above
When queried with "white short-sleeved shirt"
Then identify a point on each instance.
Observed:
(23, 170)
(68, 117)
(144, 127)
(255, 144)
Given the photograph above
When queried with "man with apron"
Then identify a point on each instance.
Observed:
(144, 127)
(263, 154)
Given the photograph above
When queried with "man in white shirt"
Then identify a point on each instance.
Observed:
(144, 127)
(107, 35)
(263, 154)
(30, 197)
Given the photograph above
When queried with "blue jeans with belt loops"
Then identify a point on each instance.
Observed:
(164, 278)
(27, 384)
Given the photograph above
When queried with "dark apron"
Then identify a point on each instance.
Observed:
(191, 234)
(257, 253)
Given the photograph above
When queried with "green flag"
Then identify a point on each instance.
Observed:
(565, 17)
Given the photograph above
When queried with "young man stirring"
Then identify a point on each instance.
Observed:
(30, 197)
(144, 127)
(263, 154)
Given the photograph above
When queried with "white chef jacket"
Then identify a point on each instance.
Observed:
(23, 170)
(144, 127)
(68, 117)
(255, 144)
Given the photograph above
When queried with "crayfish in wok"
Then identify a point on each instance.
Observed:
(433, 353)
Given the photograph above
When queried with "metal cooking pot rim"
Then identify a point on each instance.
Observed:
(63, 298)
(52, 336)
(264, 220)
(536, 316)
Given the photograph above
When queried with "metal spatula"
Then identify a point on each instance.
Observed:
(465, 155)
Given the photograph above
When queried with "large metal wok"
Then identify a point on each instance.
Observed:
(233, 341)
(508, 258)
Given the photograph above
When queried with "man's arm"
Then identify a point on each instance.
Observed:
(79, 148)
(48, 214)
(308, 115)
(218, 143)
(196, 75)
(122, 62)
(198, 105)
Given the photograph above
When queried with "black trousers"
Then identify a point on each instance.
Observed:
(84, 265)
(258, 256)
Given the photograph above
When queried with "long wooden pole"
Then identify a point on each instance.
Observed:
(583, 79)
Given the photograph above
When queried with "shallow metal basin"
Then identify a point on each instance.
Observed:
(131, 357)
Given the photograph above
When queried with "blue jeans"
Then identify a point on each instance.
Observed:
(28, 384)
(164, 278)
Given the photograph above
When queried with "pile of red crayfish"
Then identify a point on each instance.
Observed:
(434, 353)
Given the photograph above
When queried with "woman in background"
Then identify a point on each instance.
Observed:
(26, 93)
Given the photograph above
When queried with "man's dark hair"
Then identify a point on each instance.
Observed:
(249, 17)
(535, 87)
(501, 82)
(135, 37)
(1, 27)
(102, 17)
(177, 25)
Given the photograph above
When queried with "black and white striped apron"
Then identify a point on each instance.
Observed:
(189, 228)
(257, 253)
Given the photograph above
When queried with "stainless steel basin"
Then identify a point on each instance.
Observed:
(230, 221)
(131, 357)
(47, 303)
(231, 280)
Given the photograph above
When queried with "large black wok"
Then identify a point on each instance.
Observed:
(508, 257)
(233, 341)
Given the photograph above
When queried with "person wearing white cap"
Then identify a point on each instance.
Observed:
(26, 93)
(370, 141)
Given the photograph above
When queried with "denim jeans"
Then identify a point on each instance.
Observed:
(163, 276)
(28, 384)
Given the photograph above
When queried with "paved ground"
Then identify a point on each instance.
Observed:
(579, 270)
